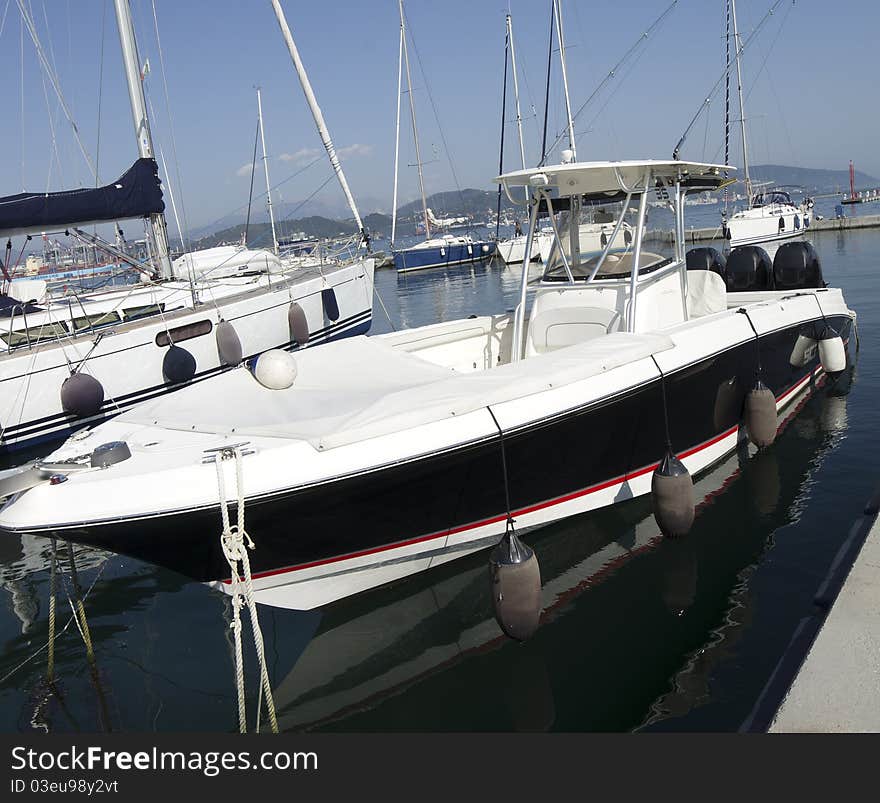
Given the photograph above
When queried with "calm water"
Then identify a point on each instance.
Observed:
(637, 631)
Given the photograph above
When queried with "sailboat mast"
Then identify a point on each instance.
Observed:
(737, 46)
(557, 12)
(522, 148)
(131, 61)
(412, 111)
(503, 120)
(397, 136)
(316, 112)
(266, 169)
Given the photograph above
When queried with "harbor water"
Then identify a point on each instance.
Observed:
(638, 632)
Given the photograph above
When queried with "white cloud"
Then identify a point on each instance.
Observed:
(244, 170)
(355, 150)
(302, 155)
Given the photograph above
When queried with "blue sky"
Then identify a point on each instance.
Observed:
(811, 76)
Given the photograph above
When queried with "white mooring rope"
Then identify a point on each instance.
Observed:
(235, 543)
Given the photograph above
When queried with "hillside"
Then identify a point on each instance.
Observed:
(260, 234)
(810, 178)
(480, 206)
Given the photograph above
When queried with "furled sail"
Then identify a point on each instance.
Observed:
(137, 193)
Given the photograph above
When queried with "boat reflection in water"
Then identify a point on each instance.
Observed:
(627, 613)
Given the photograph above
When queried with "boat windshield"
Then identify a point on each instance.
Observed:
(772, 197)
(617, 265)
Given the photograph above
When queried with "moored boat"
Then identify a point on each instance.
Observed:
(388, 455)
(71, 361)
(443, 250)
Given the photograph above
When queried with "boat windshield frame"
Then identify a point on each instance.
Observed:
(772, 198)
(571, 185)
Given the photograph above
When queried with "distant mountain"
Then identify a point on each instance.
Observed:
(478, 203)
(810, 178)
(260, 234)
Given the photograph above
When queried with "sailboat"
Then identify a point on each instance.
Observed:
(513, 248)
(593, 233)
(72, 361)
(771, 216)
(442, 249)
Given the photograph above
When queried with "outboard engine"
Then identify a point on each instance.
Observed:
(796, 267)
(706, 258)
(748, 269)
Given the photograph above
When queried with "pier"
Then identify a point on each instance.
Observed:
(826, 224)
(828, 680)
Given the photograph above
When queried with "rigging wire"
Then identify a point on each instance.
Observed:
(27, 21)
(170, 126)
(612, 73)
(547, 90)
(739, 51)
(100, 94)
(292, 176)
(752, 87)
(247, 221)
(3, 21)
(436, 115)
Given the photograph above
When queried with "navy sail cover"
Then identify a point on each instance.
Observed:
(137, 193)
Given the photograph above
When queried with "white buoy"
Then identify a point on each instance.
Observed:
(516, 587)
(275, 369)
(760, 415)
(228, 344)
(804, 350)
(832, 352)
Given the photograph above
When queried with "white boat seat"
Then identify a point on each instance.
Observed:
(706, 293)
(560, 327)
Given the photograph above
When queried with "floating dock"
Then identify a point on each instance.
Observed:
(836, 687)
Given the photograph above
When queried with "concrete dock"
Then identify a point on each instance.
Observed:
(836, 687)
(826, 224)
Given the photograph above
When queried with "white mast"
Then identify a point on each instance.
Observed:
(316, 112)
(412, 111)
(397, 136)
(266, 168)
(742, 113)
(522, 150)
(557, 13)
(131, 61)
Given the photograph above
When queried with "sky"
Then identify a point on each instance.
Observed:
(810, 77)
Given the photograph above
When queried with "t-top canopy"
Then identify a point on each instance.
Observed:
(612, 180)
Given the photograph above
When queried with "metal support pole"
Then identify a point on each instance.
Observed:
(637, 253)
(519, 313)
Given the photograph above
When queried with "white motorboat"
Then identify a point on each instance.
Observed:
(389, 455)
(71, 361)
